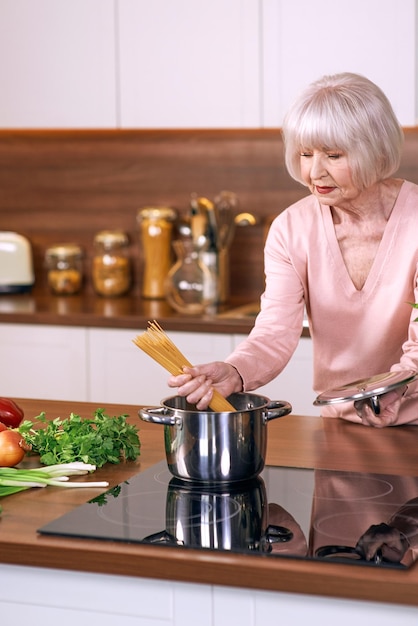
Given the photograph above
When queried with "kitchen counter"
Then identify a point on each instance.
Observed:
(124, 312)
(234, 317)
(293, 441)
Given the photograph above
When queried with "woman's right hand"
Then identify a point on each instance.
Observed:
(389, 540)
(197, 383)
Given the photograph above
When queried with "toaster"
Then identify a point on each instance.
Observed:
(16, 263)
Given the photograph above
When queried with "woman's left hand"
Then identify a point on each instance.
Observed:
(389, 408)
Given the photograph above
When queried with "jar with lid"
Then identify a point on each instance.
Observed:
(111, 273)
(156, 225)
(64, 264)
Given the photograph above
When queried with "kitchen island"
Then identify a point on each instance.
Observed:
(129, 578)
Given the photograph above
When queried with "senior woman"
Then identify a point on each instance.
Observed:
(348, 252)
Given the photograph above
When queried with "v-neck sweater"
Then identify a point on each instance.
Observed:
(356, 333)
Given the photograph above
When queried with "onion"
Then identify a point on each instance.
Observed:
(12, 448)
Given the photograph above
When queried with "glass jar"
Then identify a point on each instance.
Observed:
(190, 286)
(64, 263)
(111, 273)
(156, 225)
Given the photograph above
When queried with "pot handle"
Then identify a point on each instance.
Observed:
(159, 415)
(277, 408)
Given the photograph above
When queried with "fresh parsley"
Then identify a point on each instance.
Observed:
(98, 440)
(103, 498)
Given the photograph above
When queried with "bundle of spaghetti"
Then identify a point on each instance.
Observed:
(156, 343)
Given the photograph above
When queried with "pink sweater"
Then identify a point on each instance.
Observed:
(355, 333)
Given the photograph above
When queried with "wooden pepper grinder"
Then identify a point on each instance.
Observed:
(156, 226)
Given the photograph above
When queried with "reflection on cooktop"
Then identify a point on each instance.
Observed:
(286, 512)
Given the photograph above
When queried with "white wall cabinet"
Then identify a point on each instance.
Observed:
(189, 64)
(294, 384)
(121, 372)
(186, 64)
(57, 64)
(92, 364)
(104, 365)
(48, 362)
(303, 40)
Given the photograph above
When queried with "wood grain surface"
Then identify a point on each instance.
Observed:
(65, 185)
(294, 441)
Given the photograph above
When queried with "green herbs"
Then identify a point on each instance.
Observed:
(103, 498)
(98, 440)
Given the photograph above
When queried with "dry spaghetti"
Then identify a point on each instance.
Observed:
(156, 343)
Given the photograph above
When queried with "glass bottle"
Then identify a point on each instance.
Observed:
(111, 273)
(156, 225)
(64, 264)
(190, 286)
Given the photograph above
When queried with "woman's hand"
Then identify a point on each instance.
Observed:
(197, 383)
(389, 408)
(383, 538)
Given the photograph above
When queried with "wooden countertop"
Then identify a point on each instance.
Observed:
(124, 312)
(293, 441)
(40, 307)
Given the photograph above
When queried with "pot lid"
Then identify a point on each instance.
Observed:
(366, 387)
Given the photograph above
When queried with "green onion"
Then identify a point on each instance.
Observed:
(13, 479)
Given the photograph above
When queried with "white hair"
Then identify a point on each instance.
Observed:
(350, 113)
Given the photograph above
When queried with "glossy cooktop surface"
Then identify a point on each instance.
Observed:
(285, 512)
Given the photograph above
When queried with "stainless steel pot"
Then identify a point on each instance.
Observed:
(226, 517)
(206, 446)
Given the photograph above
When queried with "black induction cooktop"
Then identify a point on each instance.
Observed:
(285, 512)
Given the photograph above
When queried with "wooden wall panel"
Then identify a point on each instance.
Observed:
(58, 186)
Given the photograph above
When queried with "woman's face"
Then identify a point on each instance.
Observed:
(328, 175)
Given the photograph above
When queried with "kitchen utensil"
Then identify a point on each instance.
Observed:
(159, 346)
(208, 243)
(206, 446)
(245, 219)
(16, 263)
(207, 210)
(198, 224)
(368, 389)
(226, 203)
(213, 229)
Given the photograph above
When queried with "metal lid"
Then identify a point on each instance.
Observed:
(111, 238)
(156, 213)
(367, 387)
(64, 250)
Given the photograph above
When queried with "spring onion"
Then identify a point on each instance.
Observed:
(14, 479)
